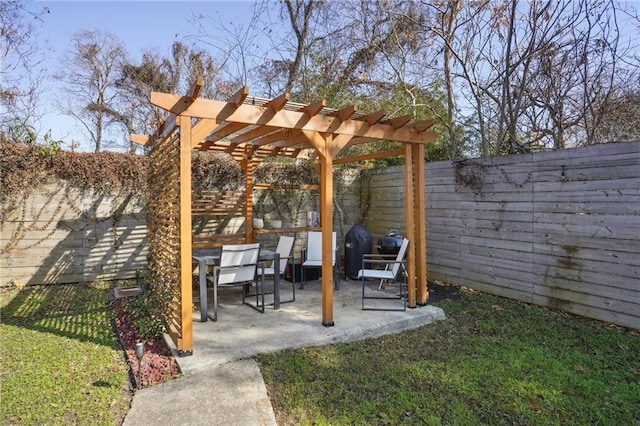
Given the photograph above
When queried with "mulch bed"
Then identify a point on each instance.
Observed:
(158, 364)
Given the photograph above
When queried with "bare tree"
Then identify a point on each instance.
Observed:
(20, 77)
(621, 119)
(373, 57)
(300, 13)
(173, 74)
(501, 76)
(91, 69)
(301, 25)
(448, 29)
(237, 48)
(530, 74)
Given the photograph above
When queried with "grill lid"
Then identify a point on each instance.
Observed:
(390, 241)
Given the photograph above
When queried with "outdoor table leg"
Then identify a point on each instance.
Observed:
(276, 281)
(202, 270)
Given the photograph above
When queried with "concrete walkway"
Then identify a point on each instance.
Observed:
(222, 385)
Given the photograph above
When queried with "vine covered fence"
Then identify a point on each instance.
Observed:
(62, 234)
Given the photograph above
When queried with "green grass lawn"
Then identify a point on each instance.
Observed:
(59, 358)
(493, 361)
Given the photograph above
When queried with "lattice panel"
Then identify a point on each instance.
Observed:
(163, 221)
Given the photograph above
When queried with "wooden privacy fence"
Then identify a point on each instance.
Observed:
(58, 233)
(558, 229)
(62, 234)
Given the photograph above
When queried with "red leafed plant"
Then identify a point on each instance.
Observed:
(158, 364)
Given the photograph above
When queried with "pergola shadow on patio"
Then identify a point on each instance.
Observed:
(241, 333)
(251, 129)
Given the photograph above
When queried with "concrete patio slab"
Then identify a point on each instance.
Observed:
(241, 332)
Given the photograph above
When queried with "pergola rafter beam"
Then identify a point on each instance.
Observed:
(294, 139)
(276, 104)
(314, 108)
(341, 116)
(194, 90)
(254, 133)
(222, 133)
(249, 114)
(284, 137)
(373, 117)
(421, 126)
(238, 98)
(398, 122)
(140, 139)
(370, 156)
(273, 138)
(169, 125)
(344, 113)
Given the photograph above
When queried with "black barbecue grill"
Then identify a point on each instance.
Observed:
(390, 243)
(357, 242)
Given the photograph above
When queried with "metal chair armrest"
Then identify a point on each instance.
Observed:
(379, 256)
(382, 261)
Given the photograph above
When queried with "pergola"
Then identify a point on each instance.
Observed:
(251, 129)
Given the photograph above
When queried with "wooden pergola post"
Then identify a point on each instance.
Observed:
(248, 195)
(323, 144)
(326, 218)
(410, 224)
(422, 294)
(186, 312)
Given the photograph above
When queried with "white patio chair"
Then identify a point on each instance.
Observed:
(313, 255)
(238, 266)
(284, 249)
(393, 267)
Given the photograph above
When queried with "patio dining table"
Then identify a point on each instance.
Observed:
(206, 257)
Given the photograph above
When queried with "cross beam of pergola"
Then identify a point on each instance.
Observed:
(251, 129)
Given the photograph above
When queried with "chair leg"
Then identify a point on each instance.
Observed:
(402, 297)
(215, 300)
(262, 292)
(293, 278)
(301, 277)
(336, 272)
(262, 283)
(293, 287)
(404, 287)
(259, 305)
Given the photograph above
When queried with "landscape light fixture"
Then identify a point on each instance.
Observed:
(139, 355)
